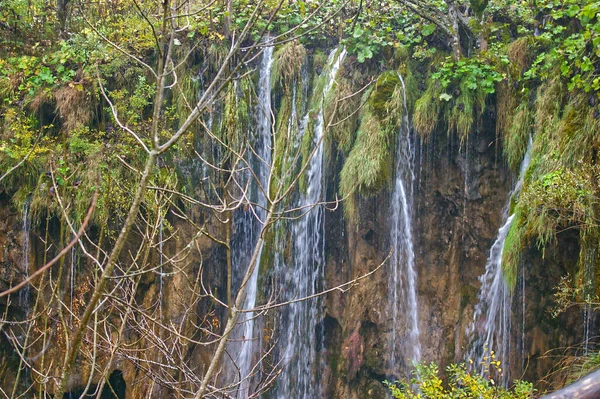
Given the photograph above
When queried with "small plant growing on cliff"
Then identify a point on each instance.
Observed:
(427, 383)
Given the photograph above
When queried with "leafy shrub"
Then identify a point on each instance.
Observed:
(427, 384)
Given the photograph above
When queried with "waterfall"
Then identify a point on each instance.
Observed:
(589, 277)
(405, 342)
(298, 323)
(247, 229)
(490, 330)
(23, 298)
(73, 264)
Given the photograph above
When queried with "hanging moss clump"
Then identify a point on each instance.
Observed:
(369, 166)
(287, 64)
(517, 135)
(345, 103)
(427, 110)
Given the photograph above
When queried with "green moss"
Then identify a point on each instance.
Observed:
(236, 113)
(506, 105)
(578, 132)
(216, 53)
(520, 54)
(511, 254)
(307, 146)
(427, 110)
(402, 56)
(345, 120)
(287, 64)
(285, 164)
(319, 61)
(517, 136)
(459, 117)
(386, 100)
(185, 95)
(368, 167)
(549, 104)
(316, 99)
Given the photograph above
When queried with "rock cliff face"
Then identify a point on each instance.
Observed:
(460, 195)
(460, 192)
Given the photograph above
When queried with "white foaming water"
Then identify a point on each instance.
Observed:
(246, 348)
(298, 335)
(405, 343)
(490, 330)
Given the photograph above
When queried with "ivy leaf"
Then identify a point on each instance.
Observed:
(573, 10)
(445, 97)
(427, 30)
(589, 12)
(358, 32)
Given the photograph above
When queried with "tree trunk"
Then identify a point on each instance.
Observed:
(453, 13)
(61, 13)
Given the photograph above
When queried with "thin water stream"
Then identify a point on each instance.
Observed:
(405, 339)
(299, 335)
(244, 347)
(490, 329)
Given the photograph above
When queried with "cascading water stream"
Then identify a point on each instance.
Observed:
(247, 229)
(73, 264)
(405, 342)
(589, 277)
(490, 330)
(298, 334)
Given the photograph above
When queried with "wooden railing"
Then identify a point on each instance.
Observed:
(586, 388)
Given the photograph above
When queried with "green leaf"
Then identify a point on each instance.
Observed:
(427, 30)
(445, 97)
(358, 32)
(573, 10)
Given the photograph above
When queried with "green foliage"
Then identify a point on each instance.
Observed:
(558, 199)
(574, 291)
(25, 76)
(185, 96)
(573, 50)
(365, 43)
(456, 93)
(133, 104)
(478, 6)
(473, 74)
(428, 384)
